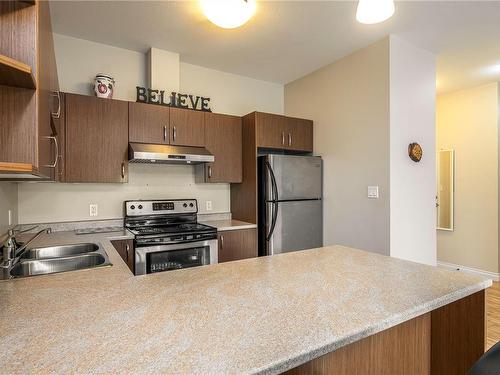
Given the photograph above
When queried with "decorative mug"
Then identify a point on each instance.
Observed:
(104, 86)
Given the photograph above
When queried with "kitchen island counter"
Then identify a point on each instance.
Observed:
(261, 315)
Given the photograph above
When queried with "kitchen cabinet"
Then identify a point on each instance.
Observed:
(28, 93)
(284, 133)
(298, 134)
(149, 123)
(223, 139)
(187, 127)
(96, 144)
(270, 130)
(237, 244)
(126, 250)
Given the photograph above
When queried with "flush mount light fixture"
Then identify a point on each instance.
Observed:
(228, 14)
(374, 11)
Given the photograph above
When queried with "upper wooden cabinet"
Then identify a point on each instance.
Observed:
(187, 127)
(223, 140)
(96, 147)
(285, 133)
(29, 105)
(271, 130)
(149, 123)
(298, 134)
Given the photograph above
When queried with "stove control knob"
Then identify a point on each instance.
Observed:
(132, 207)
(140, 207)
(184, 205)
(191, 205)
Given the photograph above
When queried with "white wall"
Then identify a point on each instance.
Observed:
(467, 122)
(78, 61)
(231, 93)
(8, 201)
(349, 103)
(50, 202)
(413, 185)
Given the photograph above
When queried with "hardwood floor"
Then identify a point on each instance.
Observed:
(492, 315)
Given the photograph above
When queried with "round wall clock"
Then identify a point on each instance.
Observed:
(415, 152)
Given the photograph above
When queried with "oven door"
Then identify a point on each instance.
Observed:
(159, 258)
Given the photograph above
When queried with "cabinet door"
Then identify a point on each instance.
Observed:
(237, 244)
(126, 250)
(47, 88)
(223, 140)
(148, 123)
(270, 130)
(187, 127)
(299, 134)
(96, 139)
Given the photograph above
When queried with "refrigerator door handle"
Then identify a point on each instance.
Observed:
(275, 198)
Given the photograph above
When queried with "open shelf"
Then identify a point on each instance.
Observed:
(15, 73)
(19, 172)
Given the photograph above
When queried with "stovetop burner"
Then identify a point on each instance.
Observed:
(166, 221)
(172, 229)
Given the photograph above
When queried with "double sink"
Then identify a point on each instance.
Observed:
(63, 258)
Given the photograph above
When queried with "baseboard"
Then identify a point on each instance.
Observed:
(457, 267)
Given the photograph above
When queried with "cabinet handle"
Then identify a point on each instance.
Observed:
(174, 133)
(127, 248)
(221, 241)
(57, 114)
(289, 139)
(54, 165)
(209, 171)
(123, 170)
(165, 133)
(282, 138)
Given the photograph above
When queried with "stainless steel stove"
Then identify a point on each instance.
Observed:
(168, 236)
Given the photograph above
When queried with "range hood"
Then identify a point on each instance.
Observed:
(167, 154)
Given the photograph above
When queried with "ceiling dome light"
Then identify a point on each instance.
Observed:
(228, 14)
(374, 11)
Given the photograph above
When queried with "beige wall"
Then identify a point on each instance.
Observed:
(349, 103)
(78, 61)
(367, 108)
(8, 201)
(467, 121)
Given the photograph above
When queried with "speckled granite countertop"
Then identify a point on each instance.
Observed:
(262, 315)
(225, 225)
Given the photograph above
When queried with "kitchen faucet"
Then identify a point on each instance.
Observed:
(11, 253)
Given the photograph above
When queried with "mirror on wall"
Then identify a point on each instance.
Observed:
(445, 189)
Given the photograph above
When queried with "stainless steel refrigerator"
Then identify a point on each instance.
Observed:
(290, 203)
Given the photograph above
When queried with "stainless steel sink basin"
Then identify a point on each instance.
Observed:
(61, 258)
(60, 251)
(45, 266)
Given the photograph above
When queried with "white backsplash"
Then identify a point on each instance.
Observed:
(51, 202)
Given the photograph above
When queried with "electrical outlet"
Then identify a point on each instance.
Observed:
(93, 209)
(208, 205)
(10, 218)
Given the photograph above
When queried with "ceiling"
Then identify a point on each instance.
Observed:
(286, 40)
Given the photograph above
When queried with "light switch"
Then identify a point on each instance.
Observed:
(373, 192)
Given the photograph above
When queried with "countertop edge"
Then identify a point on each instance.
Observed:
(280, 367)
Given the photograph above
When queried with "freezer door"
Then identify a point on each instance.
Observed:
(297, 177)
(299, 226)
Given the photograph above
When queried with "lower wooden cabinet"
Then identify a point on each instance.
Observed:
(126, 250)
(237, 244)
